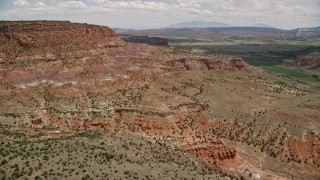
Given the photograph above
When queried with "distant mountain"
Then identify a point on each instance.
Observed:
(228, 32)
(244, 29)
(199, 24)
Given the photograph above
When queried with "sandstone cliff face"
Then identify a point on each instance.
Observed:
(212, 64)
(51, 51)
(53, 35)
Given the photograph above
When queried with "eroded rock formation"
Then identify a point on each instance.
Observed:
(210, 150)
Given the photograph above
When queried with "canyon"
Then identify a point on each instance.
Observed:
(60, 80)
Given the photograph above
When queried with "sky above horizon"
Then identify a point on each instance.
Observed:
(140, 14)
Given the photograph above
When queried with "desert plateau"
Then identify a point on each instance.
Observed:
(77, 101)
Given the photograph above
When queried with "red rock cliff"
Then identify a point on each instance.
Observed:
(22, 36)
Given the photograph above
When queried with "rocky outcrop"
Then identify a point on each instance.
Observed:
(310, 61)
(210, 150)
(37, 123)
(208, 64)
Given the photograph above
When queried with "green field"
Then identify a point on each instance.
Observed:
(300, 43)
(291, 72)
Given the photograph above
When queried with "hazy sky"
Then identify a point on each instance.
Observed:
(160, 13)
